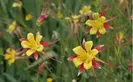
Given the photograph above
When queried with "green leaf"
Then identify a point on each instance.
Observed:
(1, 80)
(10, 78)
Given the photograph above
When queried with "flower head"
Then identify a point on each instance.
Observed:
(17, 4)
(28, 17)
(73, 19)
(119, 37)
(10, 55)
(97, 24)
(59, 14)
(12, 27)
(49, 79)
(44, 14)
(86, 10)
(85, 57)
(32, 44)
(40, 20)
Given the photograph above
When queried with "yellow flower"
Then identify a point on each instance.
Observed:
(12, 27)
(85, 56)
(49, 80)
(119, 37)
(10, 56)
(32, 44)
(17, 4)
(73, 18)
(28, 17)
(86, 10)
(59, 14)
(97, 24)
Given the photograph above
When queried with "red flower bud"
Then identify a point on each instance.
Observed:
(96, 64)
(99, 47)
(71, 58)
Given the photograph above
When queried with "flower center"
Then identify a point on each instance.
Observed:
(90, 57)
(35, 46)
(98, 23)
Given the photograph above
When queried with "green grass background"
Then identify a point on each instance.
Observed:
(66, 71)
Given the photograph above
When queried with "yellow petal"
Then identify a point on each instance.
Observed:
(28, 17)
(85, 10)
(8, 50)
(59, 14)
(11, 27)
(38, 38)
(67, 18)
(88, 45)
(93, 31)
(102, 30)
(88, 22)
(40, 48)
(102, 18)
(30, 38)
(15, 4)
(81, 12)
(87, 65)
(49, 80)
(14, 23)
(30, 52)
(77, 61)
(7, 56)
(95, 15)
(94, 52)
(79, 51)
(75, 16)
(25, 44)
(13, 51)
(11, 61)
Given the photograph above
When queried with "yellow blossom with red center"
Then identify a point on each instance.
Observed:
(10, 56)
(86, 10)
(32, 44)
(85, 56)
(97, 24)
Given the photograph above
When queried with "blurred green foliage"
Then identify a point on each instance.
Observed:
(117, 55)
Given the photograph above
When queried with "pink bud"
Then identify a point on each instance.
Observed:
(36, 56)
(98, 35)
(81, 69)
(99, 47)
(103, 13)
(96, 64)
(71, 58)
(130, 67)
(41, 19)
(107, 26)
(45, 44)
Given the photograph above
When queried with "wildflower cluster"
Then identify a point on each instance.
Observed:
(97, 23)
(33, 44)
(85, 57)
